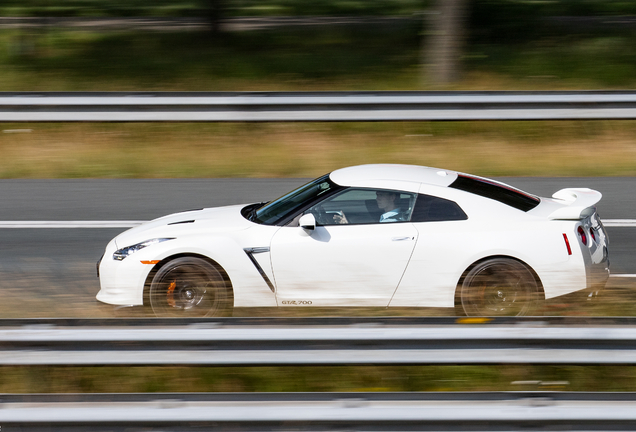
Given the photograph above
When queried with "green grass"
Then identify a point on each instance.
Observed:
(355, 57)
(315, 379)
(588, 63)
(272, 60)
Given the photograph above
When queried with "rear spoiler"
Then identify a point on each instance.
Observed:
(580, 203)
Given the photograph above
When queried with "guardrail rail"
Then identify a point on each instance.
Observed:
(259, 342)
(318, 341)
(496, 411)
(313, 106)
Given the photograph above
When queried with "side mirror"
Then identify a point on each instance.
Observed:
(307, 222)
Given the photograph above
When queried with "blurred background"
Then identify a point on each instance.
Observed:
(289, 45)
(292, 45)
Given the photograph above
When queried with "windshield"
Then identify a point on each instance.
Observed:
(287, 205)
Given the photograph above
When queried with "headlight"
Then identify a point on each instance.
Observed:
(122, 253)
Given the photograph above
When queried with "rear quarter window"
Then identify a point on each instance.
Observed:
(434, 209)
(496, 191)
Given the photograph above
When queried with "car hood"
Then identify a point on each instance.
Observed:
(209, 220)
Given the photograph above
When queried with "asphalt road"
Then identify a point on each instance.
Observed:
(51, 272)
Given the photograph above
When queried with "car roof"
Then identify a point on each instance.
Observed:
(407, 173)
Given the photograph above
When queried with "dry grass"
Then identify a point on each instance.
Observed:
(602, 148)
(33, 293)
(47, 298)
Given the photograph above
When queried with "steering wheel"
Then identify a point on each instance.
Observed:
(320, 214)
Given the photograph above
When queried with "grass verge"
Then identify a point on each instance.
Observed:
(143, 150)
(316, 379)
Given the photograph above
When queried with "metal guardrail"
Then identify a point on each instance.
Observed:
(313, 106)
(496, 411)
(260, 342)
(291, 341)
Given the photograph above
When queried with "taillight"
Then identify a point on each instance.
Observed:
(592, 234)
(567, 243)
(582, 235)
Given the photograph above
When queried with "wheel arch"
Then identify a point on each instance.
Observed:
(481, 260)
(166, 260)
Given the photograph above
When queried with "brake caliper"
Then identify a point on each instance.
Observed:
(170, 296)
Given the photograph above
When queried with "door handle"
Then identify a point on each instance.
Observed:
(403, 238)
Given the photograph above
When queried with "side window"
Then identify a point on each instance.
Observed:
(433, 209)
(364, 206)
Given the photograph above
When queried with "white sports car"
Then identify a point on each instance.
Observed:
(370, 235)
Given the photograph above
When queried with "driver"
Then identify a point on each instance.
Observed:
(386, 202)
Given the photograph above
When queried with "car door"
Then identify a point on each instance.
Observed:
(437, 262)
(358, 263)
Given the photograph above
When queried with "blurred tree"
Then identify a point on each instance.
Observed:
(215, 10)
(443, 42)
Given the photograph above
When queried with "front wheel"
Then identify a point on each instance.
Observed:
(189, 287)
(499, 287)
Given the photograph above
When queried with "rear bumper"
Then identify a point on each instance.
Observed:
(596, 254)
(597, 277)
(594, 290)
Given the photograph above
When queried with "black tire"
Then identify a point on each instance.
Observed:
(499, 287)
(189, 287)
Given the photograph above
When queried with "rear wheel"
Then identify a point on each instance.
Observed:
(189, 287)
(499, 287)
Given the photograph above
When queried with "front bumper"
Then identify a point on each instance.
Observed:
(121, 282)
